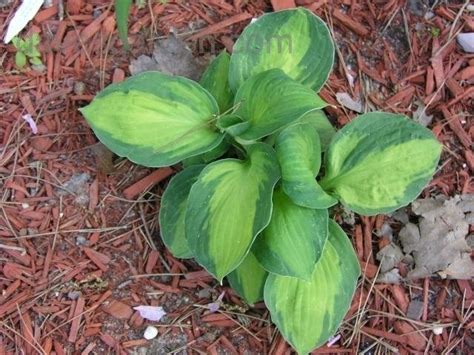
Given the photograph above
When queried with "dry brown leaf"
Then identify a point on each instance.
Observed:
(438, 243)
(347, 101)
(389, 257)
(170, 56)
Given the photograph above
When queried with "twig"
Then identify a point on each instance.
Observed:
(80, 40)
(395, 12)
(11, 247)
(407, 31)
(154, 275)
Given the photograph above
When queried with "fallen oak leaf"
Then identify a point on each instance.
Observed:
(389, 257)
(438, 243)
(171, 56)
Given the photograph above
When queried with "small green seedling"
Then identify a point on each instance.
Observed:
(141, 3)
(27, 50)
(435, 31)
(263, 165)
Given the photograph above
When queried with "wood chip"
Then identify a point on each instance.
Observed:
(118, 309)
(455, 124)
(350, 23)
(415, 340)
(218, 27)
(46, 14)
(99, 259)
(142, 185)
(76, 319)
(283, 4)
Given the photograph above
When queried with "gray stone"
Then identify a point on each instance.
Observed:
(415, 310)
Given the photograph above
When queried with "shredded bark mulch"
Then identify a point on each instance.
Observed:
(79, 238)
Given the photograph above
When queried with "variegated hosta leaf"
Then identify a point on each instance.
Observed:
(296, 41)
(232, 124)
(216, 80)
(248, 279)
(155, 119)
(299, 154)
(319, 121)
(173, 209)
(325, 129)
(209, 156)
(271, 100)
(293, 242)
(380, 162)
(228, 206)
(308, 313)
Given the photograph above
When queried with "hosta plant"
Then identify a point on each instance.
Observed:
(262, 165)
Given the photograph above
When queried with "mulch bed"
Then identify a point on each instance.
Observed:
(79, 243)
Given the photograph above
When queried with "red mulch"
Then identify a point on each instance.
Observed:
(79, 244)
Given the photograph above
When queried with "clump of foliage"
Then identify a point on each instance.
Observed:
(27, 50)
(251, 203)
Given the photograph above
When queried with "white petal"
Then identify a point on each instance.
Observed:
(31, 123)
(23, 15)
(153, 313)
(466, 41)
